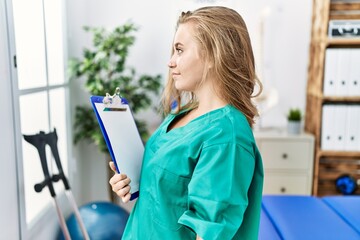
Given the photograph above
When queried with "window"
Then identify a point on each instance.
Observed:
(42, 92)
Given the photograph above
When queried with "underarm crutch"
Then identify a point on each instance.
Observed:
(39, 141)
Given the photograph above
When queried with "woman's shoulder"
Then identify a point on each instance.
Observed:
(231, 126)
(232, 119)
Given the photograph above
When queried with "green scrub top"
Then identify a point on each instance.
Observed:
(205, 179)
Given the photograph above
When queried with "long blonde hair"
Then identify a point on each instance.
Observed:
(222, 34)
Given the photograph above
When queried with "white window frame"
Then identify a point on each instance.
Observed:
(9, 218)
(46, 223)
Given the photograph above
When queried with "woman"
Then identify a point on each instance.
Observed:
(202, 173)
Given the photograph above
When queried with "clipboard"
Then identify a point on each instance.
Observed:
(122, 137)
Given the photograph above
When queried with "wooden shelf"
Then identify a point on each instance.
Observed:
(332, 168)
(340, 161)
(341, 15)
(315, 93)
(333, 99)
(328, 165)
(345, 10)
(348, 42)
(345, 6)
(329, 188)
(322, 153)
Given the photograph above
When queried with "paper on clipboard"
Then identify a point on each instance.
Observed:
(122, 139)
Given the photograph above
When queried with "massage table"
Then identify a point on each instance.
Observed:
(292, 217)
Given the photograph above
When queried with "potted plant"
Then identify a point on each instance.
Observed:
(103, 67)
(294, 121)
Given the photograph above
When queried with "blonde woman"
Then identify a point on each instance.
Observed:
(202, 173)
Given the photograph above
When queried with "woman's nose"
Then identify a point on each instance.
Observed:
(171, 63)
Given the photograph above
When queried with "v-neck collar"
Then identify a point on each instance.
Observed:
(187, 126)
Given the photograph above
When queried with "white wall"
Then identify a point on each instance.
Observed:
(281, 50)
(281, 54)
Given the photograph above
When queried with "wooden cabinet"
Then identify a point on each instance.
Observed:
(329, 164)
(288, 162)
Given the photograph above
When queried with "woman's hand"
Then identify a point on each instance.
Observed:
(120, 184)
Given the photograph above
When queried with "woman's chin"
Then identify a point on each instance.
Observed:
(183, 87)
(178, 86)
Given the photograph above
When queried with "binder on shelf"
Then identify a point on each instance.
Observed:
(339, 127)
(327, 123)
(357, 128)
(352, 136)
(354, 76)
(330, 74)
(343, 72)
(121, 136)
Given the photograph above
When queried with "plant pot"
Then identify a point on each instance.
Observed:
(294, 127)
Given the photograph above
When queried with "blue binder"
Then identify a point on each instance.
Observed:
(122, 139)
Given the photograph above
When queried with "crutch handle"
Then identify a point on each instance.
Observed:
(38, 141)
(61, 176)
(47, 182)
(56, 177)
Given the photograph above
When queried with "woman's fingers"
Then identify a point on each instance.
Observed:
(120, 184)
(123, 191)
(112, 166)
(126, 198)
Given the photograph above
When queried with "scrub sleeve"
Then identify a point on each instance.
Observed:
(218, 191)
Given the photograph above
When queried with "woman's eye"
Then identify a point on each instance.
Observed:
(178, 50)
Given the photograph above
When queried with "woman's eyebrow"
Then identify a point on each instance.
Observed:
(178, 44)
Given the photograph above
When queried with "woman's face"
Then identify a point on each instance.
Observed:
(186, 64)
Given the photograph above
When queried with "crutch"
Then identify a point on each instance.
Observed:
(51, 139)
(38, 141)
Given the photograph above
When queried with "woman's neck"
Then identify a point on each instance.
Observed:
(208, 100)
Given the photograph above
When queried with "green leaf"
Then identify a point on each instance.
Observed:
(294, 114)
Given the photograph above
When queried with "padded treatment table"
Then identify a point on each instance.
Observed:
(267, 230)
(347, 207)
(306, 217)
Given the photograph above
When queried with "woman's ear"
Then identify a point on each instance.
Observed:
(209, 65)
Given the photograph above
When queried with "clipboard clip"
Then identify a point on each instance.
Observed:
(114, 102)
